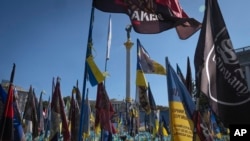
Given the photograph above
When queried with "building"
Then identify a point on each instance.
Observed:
(243, 55)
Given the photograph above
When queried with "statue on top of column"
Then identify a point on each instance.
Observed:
(128, 29)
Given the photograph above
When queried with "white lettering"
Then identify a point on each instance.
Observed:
(144, 16)
(239, 132)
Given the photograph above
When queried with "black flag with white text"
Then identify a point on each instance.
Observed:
(218, 72)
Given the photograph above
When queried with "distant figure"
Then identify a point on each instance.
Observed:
(128, 29)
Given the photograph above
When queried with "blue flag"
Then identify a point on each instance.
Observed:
(181, 107)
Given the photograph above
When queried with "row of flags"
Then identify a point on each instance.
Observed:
(216, 64)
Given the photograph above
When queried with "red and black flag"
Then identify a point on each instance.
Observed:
(58, 115)
(218, 72)
(7, 126)
(152, 16)
(104, 109)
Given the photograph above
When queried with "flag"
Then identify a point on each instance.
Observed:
(95, 76)
(153, 16)
(184, 25)
(162, 128)
(47, 119)
(34, 117)
(156, 121)
(40, 113)
(58, 115)
(202, 131)
(55, 115)
(91, 71)
(18, 128)
(74, 114)
(179, 73)
(3, 97)
(218, 72)
(109, 38)
(181, 107)
(165, 131)
(189, 82)
(215, 127)
(151, 99)
(48, 111)
(147, 64)
(78, 96)
(65, 127)
(86, 119)
(104, 109)
(141, 89)
(7, 127)
(30, 114)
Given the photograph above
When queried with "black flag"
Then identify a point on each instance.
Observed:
(218, 73)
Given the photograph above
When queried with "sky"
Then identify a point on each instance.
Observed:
(48, 38)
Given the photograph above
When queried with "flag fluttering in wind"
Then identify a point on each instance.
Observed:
(218, 72)
(152, 16)
(147, 64)
(181, 107)
(91, 71)
(95, 76)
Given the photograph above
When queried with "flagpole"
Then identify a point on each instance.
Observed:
(85, 74)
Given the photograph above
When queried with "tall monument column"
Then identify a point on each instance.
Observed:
(128, 44)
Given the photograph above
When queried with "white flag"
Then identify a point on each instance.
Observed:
(109, 38)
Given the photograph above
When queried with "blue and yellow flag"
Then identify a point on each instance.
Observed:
(181, 107)
(94, 74)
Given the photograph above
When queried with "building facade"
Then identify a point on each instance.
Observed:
(243, 55)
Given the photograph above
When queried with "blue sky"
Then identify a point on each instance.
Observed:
(48, 38)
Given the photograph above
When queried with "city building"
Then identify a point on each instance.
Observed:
(243, 55)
